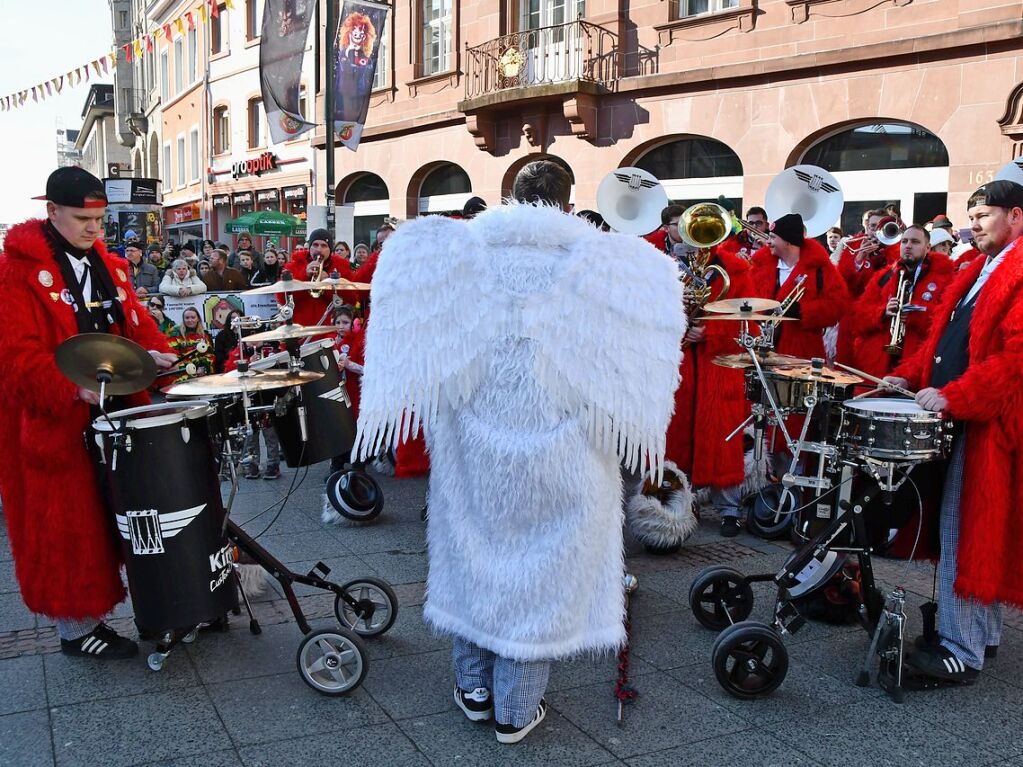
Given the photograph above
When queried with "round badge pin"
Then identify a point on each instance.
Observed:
(932, 286)
(66, 297)
(927, 296)
(134, 317)
(45, 279)
(121, 275)
(121, 295)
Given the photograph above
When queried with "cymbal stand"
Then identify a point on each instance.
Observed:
(888, 644)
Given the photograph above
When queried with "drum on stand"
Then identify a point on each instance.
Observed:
(329, 425)
(159, 471)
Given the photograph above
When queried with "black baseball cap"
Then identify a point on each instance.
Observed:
(1001, 194)
(72, 187)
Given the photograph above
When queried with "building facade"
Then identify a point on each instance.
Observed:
(913, 101)
(101, 153)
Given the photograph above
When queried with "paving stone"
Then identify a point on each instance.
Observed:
(5, 545)
(746, 747)
(665, 715)
(671, 640)
(8, 581)
(875, 735)
(408, 636)
(219, 759)
(14, 616)
(238, 654)
(449, 738)
(141, 728)
(384, 536)
(412, 685)
(583, 672)
(291, 520)
(301, 547)
(362, 747)
(77, 680)
(25, 739)
(342, 570)
(398, 568)
(21, 680)
(274, 708)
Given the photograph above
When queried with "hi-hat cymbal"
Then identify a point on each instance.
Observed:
(339, 283)
(748, 317)
(281, 286)
(742, 361)
(741, 305)
(234, 382)
(289, 332)
(807, 372)
(88, 358)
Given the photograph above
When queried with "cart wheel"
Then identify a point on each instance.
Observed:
(355, 495)
(190, 636)
(155, 661)
(332, 661)
(376, 610)
(719, 597)
(750, 660)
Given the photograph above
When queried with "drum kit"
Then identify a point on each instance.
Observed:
(864, 450)
(159, 470)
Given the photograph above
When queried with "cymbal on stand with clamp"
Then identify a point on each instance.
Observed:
(106, 364)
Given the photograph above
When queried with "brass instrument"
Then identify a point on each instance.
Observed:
(790, 300)
(703, 226)
(897, 328)
(316, 277)
(751, 231)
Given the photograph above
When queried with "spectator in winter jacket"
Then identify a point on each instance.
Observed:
(145, 278)
(180, 280)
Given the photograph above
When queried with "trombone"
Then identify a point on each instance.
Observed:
(793, 298)
(751, 231)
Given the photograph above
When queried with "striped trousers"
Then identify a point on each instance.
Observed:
(965, 625)
(516, 686)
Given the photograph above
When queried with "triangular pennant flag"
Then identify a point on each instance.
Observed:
(95, 67)
(49, 90)
(35, 96)
(127, 52)
(191, 21)
(86, 70)
(167, 32)
(229, 5)
(156, 34)
(180, 26)
(78, 75)
(3, 105)
(23, 97)
(149, 44)
(70, 80)
(137, 47)
(202, 13)
(58, 83)
(214, 8)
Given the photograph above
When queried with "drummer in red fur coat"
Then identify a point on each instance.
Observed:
(927, 274)
(972, 368)
(66, 556)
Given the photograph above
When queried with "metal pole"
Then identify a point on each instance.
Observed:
(328, 108)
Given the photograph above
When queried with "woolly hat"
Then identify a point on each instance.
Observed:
(790, 228)
(321, 234)
(939, 235)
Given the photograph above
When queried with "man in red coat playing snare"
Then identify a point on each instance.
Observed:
(57, 280)
(972, 369)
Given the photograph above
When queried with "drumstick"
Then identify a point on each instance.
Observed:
(874, 379)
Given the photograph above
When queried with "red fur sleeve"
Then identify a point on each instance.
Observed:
(824, 309)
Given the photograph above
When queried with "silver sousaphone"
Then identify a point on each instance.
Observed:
(810, 191)
(631, 201)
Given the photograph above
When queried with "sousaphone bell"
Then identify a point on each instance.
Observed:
(810, 191)
(631, 201)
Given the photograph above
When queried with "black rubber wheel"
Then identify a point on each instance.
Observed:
(719, 597)
(750, 660)
(376, 611)
(355, 495)
(760, 519)
(333, 661)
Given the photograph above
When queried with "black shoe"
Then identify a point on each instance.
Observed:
(274, 473)
(921, 643)
(477, 705)
(103, 643)
(938, 662)
(507, 733)
(252, 473)
(730, 527)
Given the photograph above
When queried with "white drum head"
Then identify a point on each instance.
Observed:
(884, 405)
(151, 416)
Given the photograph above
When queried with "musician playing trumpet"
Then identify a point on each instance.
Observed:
(891, 319)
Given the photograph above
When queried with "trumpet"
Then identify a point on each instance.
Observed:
(897, 328)
(790, 300)
(316, 292)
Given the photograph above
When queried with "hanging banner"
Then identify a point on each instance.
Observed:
(357, 44)
(281, 49)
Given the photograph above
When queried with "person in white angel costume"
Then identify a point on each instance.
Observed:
(537, 354)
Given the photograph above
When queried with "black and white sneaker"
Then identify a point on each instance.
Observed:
(507, 733)
(476, 705)
(103, 643)
(938, 662)
(922, 643)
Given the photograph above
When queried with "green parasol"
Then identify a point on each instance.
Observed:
(262, 222)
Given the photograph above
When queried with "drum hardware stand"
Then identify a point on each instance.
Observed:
(888, 644)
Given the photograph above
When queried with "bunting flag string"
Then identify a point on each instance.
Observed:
(145, 45)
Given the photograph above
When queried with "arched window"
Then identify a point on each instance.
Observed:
(695, 170)
(862, 158)
(368, 198)
(445, 190)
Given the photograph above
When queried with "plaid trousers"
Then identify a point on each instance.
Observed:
(965, 625)
(516, 686)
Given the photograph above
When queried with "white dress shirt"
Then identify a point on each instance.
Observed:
(79, 265)
(987, 271)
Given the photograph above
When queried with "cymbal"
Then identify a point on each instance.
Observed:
(742, 361)
(741, 305)
(88, 357)
(289, 332)
(330, 283)
(281, 286)
(756, 317)
(806, 372)
(233, 382)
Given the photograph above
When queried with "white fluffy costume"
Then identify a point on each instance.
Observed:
(536, 353)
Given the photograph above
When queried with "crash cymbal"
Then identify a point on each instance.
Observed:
(289, 332)
(281, 286)
(807, 372)
(749, 317)
(742, 361)
(339, 283)
(88, 358)
(741, 305)
(233, 382)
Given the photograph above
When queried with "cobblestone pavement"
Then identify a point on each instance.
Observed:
(235, 698)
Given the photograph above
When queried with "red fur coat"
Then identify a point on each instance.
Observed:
(66, 557)
(871, 327)
(988, 400)
(310, 310)
(710, 402)
(856, 280)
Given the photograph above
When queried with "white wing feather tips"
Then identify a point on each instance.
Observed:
(427, 333)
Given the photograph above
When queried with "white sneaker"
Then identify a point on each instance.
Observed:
(476, 705)
(507, 733)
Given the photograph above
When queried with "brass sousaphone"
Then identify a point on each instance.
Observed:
(702, 226)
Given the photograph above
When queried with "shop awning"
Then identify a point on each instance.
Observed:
(267, 222)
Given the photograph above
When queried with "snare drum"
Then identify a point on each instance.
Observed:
(159, 472)
(890, 429)
(329, 424)
(790, 394)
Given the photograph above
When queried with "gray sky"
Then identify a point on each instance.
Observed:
(40, 41)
